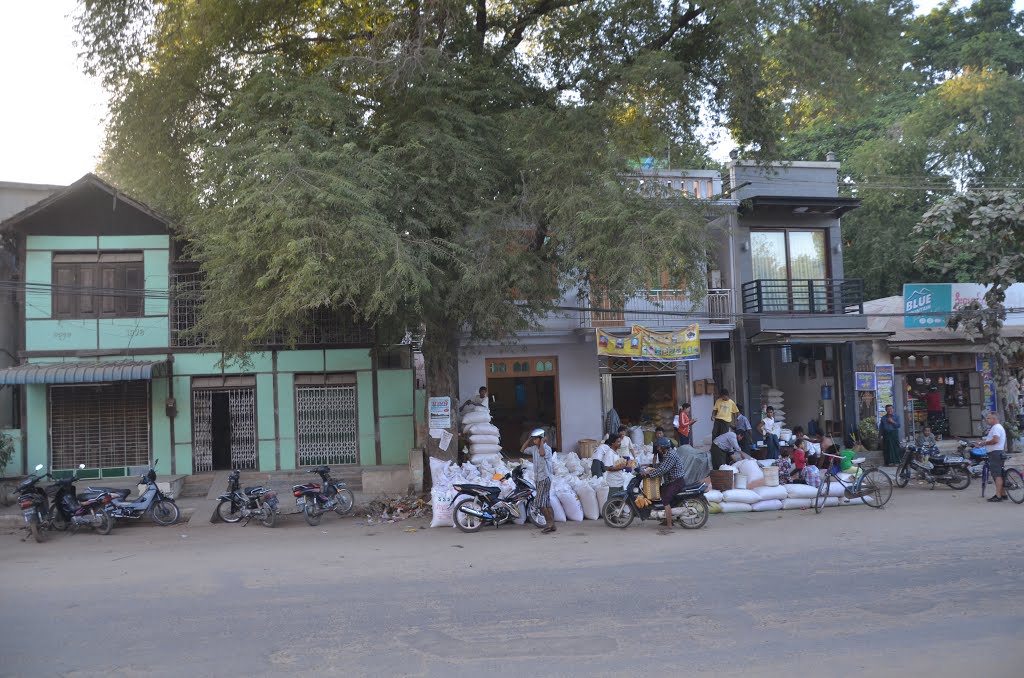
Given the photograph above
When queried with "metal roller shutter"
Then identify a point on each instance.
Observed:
(102, 426)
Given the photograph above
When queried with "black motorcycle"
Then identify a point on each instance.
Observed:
(153, 502)
(71, 511)
(35, 505)
(689, 507)
(484, 505)
(251, 502)
(931, 466)
(314, 501)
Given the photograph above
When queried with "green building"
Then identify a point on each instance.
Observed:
(110, 376)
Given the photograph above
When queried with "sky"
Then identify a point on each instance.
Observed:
(53, 117)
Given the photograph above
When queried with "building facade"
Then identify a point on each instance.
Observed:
(113, 376)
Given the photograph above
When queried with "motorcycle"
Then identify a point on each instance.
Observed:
(689, 507)
(161, 508)
(69, 512)
(35, 506)
(252, 502)
(313, 501)
(931, 466)
(479, 505)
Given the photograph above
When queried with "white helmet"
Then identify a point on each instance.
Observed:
(537, 433)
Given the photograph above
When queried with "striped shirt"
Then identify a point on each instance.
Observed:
(671, 467)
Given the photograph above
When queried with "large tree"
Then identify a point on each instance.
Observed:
(451, 164)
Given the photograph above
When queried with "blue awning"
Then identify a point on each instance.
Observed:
(83, 372)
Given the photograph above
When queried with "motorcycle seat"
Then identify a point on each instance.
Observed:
(254, 490)
(479, 489)
(117, 492)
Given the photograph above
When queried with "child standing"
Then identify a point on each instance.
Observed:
(786, 469)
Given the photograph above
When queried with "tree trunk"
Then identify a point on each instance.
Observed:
(441, 363)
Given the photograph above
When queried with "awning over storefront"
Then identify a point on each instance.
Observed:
(814, 337)
(83, 372)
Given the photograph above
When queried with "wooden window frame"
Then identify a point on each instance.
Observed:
(122, 272)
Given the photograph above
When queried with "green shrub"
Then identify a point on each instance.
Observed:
(867, 431)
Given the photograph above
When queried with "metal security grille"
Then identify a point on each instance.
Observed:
(105, 426)
(326, 422)
(242, 422)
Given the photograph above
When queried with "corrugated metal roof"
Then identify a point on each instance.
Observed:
(83, 372)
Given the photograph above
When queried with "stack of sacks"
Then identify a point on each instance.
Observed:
(483, 436)
(772, 397)
(765, 498)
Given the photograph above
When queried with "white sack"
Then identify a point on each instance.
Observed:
(570, 505)
(753, 472)
(766, 492)
(832, 501)
(483, 439)
(742, 496)
(490, 461)
(735, 507)
(713, 495)
(588, 500)
(484, 449)
(521, 520)
(439, 504)
(556, 508)
(767, 505)
(482, 430)
(601, 491)
(836, 490)
(797, 491)
(476, 418)
(851, 502)
(796, 503)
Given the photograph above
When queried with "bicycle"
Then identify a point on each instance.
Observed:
(1013, 480)
(872, 484)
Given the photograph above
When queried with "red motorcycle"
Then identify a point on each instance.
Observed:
(314, 500)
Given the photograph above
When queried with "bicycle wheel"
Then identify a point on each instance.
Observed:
(876, 488)
(1013, 485)
(819, 501)
(902, 475)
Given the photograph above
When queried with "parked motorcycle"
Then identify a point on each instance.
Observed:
(931, 466)
(689, 507)
(314, 501)
(974, 455)
(35, 505)
(484, 505)
(69, 512)
(161, 508)
(251, 502)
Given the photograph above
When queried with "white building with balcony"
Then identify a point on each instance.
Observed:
(554, 378)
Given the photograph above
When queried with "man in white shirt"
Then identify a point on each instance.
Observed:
(995, 444)
(767, 430)
(609, 454)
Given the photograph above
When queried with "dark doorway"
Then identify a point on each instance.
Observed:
(220, 429)
(521, 405)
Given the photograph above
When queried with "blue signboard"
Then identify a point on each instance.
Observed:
(920, 300)
(865, 381)
(988, 383)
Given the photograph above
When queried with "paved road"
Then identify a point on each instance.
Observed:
(928, 586)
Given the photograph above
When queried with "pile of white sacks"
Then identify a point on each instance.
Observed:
(483, 436)
(576, 495)
(761, 491)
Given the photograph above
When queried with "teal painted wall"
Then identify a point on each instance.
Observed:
(38, 270)
(155, 265)
(286, 416)
(134, 242)
(62, 242)
(396, 392)
(36, 438)
(160, 426)
(89, 335)
(265, 421)
(396, 439)
(364, 405)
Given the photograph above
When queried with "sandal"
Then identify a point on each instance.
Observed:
(548, 529)
(995, 499)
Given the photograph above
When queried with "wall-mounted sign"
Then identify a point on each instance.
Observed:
(440, 412)
(643, 344)
(988, 383)
(865, 381)
(885, 393)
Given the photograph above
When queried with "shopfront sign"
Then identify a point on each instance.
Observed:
(643, 344)
(988, 383)
(865, 381)
(885, 393)
(440, 412)
(930, 304)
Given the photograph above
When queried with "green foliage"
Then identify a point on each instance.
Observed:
(867, 431)
(7, 451)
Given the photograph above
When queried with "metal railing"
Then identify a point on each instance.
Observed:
(804, 295)
(661, 308)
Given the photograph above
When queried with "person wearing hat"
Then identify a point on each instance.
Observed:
(670, 468)
(543, 472)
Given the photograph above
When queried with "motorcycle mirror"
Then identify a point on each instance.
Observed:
(81, 466)
(39, 467)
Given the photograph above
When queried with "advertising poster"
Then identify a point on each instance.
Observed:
(439, 412)
(865, 381)
(988, 384)
(644, 344)
(885, 381)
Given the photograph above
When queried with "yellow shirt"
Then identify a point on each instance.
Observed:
(725, 409)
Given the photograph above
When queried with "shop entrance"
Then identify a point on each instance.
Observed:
(223, 423)
(524, 396)
(644, 393)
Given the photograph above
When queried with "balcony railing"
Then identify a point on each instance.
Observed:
(817, 296)
(661, 308)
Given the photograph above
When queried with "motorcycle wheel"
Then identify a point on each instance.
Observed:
(228, 511)
(346, 502)
(902, 476)
(106, 524)
(466, 522)
(1013, 485)
(312, 513)
(37, 532)
(534, 515)
(959, 479)
(165, 512)
(57, 519)
(617, 513)
(269, 518)
(693, 513)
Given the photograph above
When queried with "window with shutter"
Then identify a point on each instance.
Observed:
(98, 285)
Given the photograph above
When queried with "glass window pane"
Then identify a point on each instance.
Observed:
(768, 252)
(808, 263)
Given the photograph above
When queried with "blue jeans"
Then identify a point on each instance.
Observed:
(771, 441)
